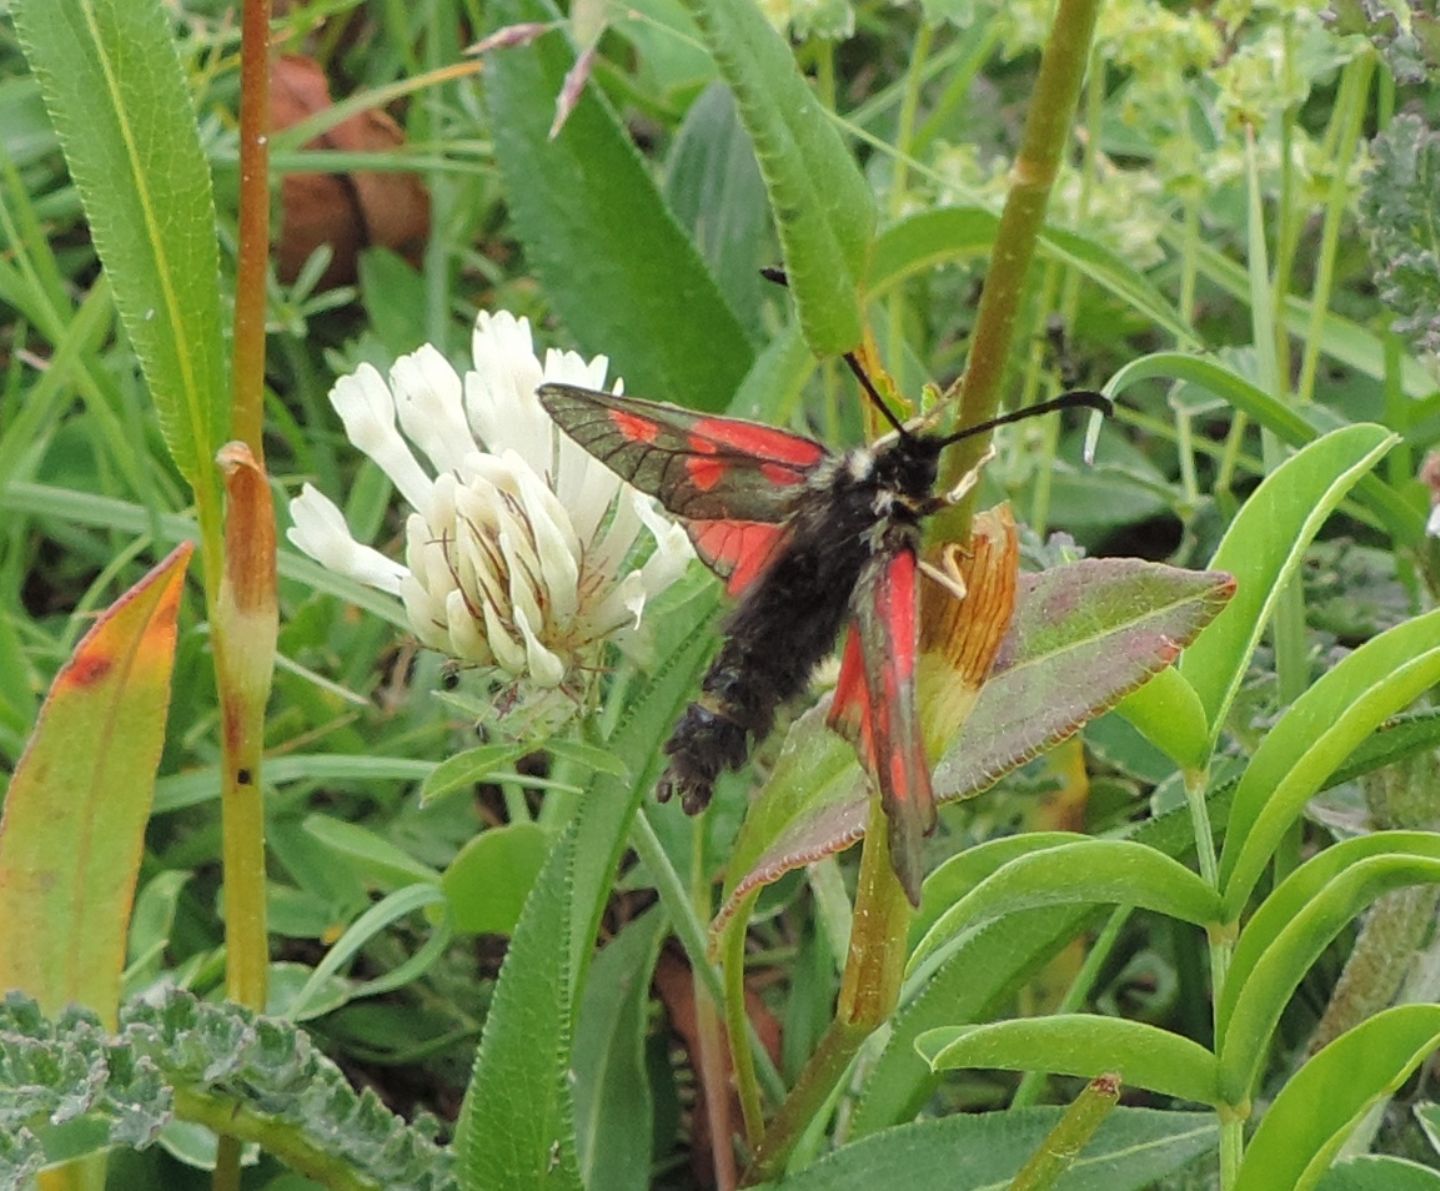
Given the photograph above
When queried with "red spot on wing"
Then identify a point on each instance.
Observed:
(780, 473)
(633, 426)
(739, 550)
(765, 441)
(705, 471)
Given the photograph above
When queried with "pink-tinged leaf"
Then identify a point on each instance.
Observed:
(75, 814)
(1083, 637)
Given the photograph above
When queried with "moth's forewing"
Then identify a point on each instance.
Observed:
(701, 468)
(885, 604)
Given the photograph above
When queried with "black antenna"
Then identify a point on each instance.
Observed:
(870, 391)
(1086, 398)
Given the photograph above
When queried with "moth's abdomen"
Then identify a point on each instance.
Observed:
(773, 641)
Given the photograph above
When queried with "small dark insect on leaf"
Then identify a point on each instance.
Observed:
(808, 540)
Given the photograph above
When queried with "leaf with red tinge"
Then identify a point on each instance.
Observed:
(75, 814)
(1083, 637)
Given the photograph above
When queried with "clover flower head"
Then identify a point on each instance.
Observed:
(518, 553)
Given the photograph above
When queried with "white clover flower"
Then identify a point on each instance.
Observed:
(516, 552)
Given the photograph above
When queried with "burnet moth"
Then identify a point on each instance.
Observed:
(805, 538)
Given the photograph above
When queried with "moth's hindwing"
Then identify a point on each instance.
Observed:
(701, 468)
(737, 551)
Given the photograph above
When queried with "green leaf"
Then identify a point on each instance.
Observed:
(715, 189)
(1277, 972)
(517, 1125)
(375, 860)
(614, 1109)
(946, 234)
(1380, 1172)
(1405, 521)
(1298, 890)
(1341, 339)
(1081, 872)
(588, 756)
(1132, 1150)
(376, 918)
(615, 264)
(1400, 213)
(115, 92)
(961, 873)
(1167, 712)
(489, 879)
(1083, 636)
(986, 969)
(1264, 546)
(254, 1078)
(1080, 1044)
(463, 770)
(1313, 737)
(822, 205)
(76, 808)
(1323, 1102)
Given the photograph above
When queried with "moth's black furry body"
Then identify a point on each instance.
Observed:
(787, 623)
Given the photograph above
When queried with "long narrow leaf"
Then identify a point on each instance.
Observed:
(115, 92)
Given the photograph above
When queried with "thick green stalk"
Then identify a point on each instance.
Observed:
(869, 992)
(1047, 130)
(240, 593)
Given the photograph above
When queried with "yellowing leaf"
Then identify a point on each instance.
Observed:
(75, 814)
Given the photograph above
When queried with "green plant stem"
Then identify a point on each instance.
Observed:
(1350, 115)
(288, 1143)
(869, 992)
(1047, 129)
(244, 615)
(1232, 1123)
(1062, 1145)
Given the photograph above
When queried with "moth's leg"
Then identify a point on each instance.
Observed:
(953, 583)
(969, 479)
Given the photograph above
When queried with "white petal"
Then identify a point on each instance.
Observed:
(1432, 526)
(546, 669)
(367, 409)
(466, 639)
(429, 401)
(621, 607)
(559, 562)
(673, 550)
(320, 531)
(426, 614)
(508, 652)
(500, 393)
(526, 592)
(607, 555)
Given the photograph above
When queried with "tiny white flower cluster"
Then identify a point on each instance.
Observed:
(517, 549)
